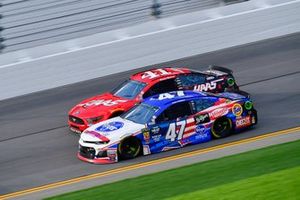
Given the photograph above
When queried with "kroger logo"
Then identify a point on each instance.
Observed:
(200, 129)
(111, 126)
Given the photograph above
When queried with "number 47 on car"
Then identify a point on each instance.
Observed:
(167, 121)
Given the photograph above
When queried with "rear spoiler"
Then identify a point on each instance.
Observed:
(239, 94)
(221, 69)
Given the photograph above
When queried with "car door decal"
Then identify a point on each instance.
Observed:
(176, 130)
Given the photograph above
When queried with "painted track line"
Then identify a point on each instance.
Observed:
(149, 163)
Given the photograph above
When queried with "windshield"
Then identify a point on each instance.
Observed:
(129, 89)
(140, 114)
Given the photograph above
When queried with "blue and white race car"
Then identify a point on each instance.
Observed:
(166, 121)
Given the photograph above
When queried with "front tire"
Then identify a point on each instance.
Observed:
(129, 148)
(221, 128)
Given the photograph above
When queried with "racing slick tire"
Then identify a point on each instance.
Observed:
(129, 148)
(221, 128)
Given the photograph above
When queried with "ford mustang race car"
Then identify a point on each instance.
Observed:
(143, 85)
(166, 121)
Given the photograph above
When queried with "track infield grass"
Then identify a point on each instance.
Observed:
(269, 173)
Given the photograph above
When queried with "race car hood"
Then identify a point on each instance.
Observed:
(100, 105)
(112, 130)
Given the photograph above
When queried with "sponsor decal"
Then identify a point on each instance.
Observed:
(111, 126)
(200, 129)
(207, 86)
(146, 150)
(155, 130)
(77, 112)
(253, 120)
(75, 130)
(112, 154)
(243, 122)
(237, 109)
(201, 132)
(203, 118)
(102, 102)
(156, 138)
(218, 112)
(146, 135)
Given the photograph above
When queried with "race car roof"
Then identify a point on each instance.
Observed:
(165, 99)
(159, 73)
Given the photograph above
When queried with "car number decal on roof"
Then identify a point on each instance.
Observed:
(170, 96)
(154, 73)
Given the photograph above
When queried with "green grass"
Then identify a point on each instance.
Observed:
(283, 184)
(270, 173)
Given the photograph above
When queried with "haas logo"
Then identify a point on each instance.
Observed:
(102, 102)
(207, 86)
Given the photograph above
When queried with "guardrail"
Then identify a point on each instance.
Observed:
(150, 43)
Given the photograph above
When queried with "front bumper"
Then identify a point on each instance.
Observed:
(77, 128)
(89, 154)
(102, 160)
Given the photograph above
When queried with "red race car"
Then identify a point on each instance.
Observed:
(144, 84)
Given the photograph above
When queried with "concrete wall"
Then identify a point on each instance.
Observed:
(32, 23)
(154, 42)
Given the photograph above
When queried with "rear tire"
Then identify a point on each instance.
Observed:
(221, 128)
(129, 148)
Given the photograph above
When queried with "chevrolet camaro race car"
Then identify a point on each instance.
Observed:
(166, 121)
(143, 85)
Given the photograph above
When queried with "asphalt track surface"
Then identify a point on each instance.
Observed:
(37, 148)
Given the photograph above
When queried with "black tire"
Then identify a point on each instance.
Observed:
(129, 148)
(221, 128)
